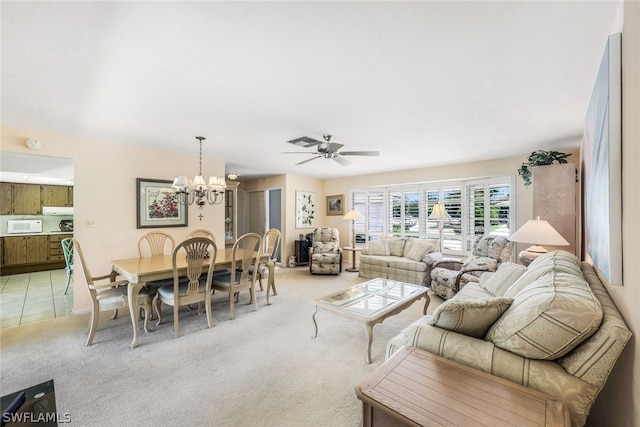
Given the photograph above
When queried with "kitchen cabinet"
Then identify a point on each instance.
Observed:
(20, 250)
(55, 247)
(21, 199)
(56, 195)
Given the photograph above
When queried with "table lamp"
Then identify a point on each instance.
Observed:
(538, 232)
(439, 213)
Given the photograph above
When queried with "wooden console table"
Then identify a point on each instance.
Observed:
(417, 388)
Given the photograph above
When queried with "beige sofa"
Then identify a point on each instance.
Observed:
(551, 327)
(406, 260)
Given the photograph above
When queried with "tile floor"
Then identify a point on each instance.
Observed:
(31, 297)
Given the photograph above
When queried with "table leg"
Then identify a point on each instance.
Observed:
(132, 294)
(271, 283)
(426, 302)
(315, 324)
(369, 328)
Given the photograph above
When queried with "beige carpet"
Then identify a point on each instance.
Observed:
(261, 369)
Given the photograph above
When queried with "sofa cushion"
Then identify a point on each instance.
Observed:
(469, 317)
(378, 247)
(480, 263)
(419, 249)
(406, 264)
(497, 283)
(548, 318)
(380, 260)
(395, 244)
(556, 261)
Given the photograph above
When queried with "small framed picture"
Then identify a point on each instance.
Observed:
(157, 205)
(335, 205)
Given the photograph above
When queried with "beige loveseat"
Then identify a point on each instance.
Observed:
(551, 327)
(406, 260)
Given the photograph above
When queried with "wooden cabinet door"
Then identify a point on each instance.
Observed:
(55, 195)
(14, 250)
(5, 198)
(70, 189)
(37, 249)
(26, 199)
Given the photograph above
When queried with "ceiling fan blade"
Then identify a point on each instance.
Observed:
(342, 161)
(305, 142)
(295, 152)
(308, 160)
(360, 153)
(334, 146)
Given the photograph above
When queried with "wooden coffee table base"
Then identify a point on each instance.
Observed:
(417, 388)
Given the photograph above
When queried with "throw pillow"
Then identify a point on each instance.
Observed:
(419, 249)
(471, 317)
(497, 283)
(548, 318)
(378, 247)
(481, 263)
(396, 245)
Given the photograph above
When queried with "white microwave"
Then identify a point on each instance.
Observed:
(24, 226)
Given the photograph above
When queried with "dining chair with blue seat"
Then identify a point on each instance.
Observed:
(237, 278)
(272, 241)
(197, 251)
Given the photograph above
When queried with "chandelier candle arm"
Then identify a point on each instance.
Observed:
(197, 191)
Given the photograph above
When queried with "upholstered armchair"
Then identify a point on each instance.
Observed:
(325, 254)
(449, 275)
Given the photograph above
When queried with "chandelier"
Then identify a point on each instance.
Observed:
(195, 191)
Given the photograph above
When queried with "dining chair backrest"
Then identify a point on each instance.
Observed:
(197, 250)
(272, 240)
(201, 232)
(67, 250)
(251, 246)
(155, 243)
(87, 273)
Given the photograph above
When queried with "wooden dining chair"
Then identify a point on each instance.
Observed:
(201, 232)
(180, 293)
(107, 296)
(156, 243)
(271, 241)
(238, 279)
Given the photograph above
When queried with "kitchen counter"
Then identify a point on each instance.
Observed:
(44, 233)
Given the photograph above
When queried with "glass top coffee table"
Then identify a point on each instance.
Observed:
(371, 302)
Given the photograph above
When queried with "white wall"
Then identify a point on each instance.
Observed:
(105, 194)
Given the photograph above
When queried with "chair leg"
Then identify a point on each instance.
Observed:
(175, 321)
(114, 316)
(207, 303)
(232, 298)
(252, 290)
(260, 281)
(93, 323)
(68, 281)
(157, 304)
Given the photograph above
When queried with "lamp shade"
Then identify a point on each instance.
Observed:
(353, 215)
(538, 232)
(439, 212)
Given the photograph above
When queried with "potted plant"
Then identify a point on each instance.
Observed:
(540, 158)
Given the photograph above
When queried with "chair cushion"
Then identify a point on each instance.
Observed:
(469, 317)
(497, 283)
(419, 249)
(548, 318)
(222, 278)
(167, 290)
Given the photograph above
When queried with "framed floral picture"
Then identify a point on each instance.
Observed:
(335, 205)
(305, 209)
(157, 205)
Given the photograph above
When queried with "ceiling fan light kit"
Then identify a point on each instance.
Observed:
(326, 149)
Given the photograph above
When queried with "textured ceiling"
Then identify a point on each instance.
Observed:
(425, 83)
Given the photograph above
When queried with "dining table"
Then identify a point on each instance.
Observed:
(139, 270)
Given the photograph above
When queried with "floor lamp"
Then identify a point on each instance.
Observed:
(353, 216)
(539, 232)
(439, 213)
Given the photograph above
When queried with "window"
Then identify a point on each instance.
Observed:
(476, 207)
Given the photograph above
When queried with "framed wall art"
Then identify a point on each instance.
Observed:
(335, 205)
(602, 166)
(157, 206)
(305, 209)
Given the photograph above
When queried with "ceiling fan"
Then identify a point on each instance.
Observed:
(326, 149)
